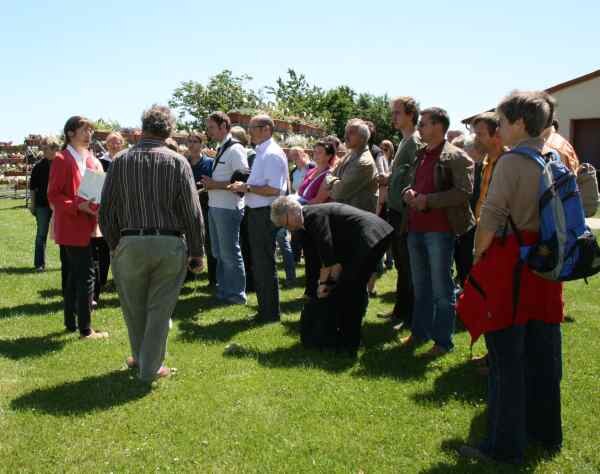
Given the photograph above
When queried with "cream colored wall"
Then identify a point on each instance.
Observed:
(581, 101)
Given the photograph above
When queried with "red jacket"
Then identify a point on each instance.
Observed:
(71, 226)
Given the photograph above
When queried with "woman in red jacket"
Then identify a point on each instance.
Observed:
(75, 219)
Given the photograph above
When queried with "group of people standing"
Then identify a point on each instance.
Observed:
(161, 214)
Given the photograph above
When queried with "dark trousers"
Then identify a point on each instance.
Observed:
(523, 389)
(42, 218)
(211, 262)
(463, 254)
(403, 306)
(262, 247)
(101, 254)
(79, 289)
(351, 295)
(246, 254)
(312, 267)
(296, 242)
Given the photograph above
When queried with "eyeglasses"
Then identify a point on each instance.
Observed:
(250, 127)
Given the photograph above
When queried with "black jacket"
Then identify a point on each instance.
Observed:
(341, 233)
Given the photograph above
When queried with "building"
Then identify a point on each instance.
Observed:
(578, 115)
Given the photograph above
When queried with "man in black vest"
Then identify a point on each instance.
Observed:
(346, 243)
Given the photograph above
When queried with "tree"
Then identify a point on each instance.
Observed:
(224, 91)
(377, 110)
(107, 125)
(296, 97)
(338, 104)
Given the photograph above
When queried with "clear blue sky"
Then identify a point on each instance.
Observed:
(112, 59)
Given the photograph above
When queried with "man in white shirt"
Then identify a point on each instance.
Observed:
(226, 210)
(267, 181)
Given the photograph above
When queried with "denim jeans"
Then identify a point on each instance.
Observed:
(42, 217)
(523, 389)
(284, 244)
(431, 269)
(225, 244)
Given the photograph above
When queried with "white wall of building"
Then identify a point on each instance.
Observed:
(581, 101)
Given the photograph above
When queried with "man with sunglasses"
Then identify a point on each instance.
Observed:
(268, 180)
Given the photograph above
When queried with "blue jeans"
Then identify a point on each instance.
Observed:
(225, 244)
(283, 241)
(42, 217)
(431, 256)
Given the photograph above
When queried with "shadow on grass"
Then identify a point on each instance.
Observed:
(24, 347)
(392, 362)
(31, 309)
(292, 306)
(190, 308)
(220, 331)
(23, 270)
(533, 456)
(50, 292)
(298, 356)
(460, 382)
(12, 208)
(84, 396)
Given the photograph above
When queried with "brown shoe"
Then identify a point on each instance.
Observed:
(436, 351)
(95, 335)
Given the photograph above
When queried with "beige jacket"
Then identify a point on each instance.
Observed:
(354, 181)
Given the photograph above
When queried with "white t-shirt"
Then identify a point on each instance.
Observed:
(80, 160)
(270, 168)
(235, 158)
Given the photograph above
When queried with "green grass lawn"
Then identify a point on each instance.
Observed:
(69, 406)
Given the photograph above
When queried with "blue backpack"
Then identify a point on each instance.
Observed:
(567, 248)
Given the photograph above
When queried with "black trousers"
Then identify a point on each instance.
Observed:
(79, 289)
(352, 297)
(262, 248)
(524, 389)
(246, 253)
(101, 254)
(463, 254)
(296, 243)
(403, 306)
(211, 261)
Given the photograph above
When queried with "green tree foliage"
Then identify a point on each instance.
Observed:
(195, 101)
(107, 125)
(296, 97)
(293, 97)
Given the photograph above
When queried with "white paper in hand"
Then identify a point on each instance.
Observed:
(91, 185)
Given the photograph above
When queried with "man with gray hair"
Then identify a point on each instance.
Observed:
(151, 219)
(354, 180)
(346, 244)
(268, 179)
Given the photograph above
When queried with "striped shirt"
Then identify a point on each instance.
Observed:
(151, 187)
